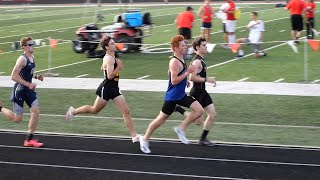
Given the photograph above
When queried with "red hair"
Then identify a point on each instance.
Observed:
(176, 40)
(24, 40)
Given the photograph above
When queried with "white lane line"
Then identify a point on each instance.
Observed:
(143, 77)
(83, 75)
(2, 72)
(167, 156)
(66, 65)
(8, 52)
(63, 29)
(166, 140)
(283, 31)
(117, 170)
(242, 30)
(243, 79)
(279, 80)
(236, 59)
(172, 120)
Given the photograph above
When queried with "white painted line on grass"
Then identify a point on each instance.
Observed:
(2, 72)
(316, 81)
(179, 121)
(36, 47)
(243, 79)
(279, 80)
(236, 59)
(143, 77)
(283, 31)
(66, 65)
(62, 29)
(83, 75)
(242, 30)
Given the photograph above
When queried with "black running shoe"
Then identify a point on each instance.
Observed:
(205, 142)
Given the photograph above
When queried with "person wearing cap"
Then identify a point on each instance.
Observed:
(24, 91)
(205, 12)
(185, 22)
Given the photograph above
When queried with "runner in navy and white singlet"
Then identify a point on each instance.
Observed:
(24, 91)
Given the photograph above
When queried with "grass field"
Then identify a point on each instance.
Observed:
(242, 118)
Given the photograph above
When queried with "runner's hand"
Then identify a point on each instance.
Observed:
(191, 68)
(32, 86)
(40, 77)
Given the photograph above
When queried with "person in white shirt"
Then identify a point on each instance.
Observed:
(256, 28)
(231, 20)
(223, 16)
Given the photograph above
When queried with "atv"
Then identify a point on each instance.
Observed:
(127, 29)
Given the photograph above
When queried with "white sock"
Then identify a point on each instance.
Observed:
(241, 52)
(231, 38)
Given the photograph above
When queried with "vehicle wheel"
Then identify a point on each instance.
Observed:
(79, 47)
(125, 39)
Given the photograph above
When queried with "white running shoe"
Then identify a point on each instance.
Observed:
(144, 145)
(136, 138)
(181, 135)
(69, 114)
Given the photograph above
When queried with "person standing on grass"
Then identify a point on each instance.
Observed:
(175, 94)
(256, 28)
(231, 21)
(24, 91)
(205, 12)
(309, 17)
(224, 21)
(296, 8)
(108, 89)
(185, 21)
(198, 91)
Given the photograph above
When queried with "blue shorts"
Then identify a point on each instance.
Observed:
(21, 94)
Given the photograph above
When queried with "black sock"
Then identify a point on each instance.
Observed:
(180, 110)
(0, 108)
(29, 137)
(204, 135)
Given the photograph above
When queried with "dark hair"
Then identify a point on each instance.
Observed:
(197, 42)
(254, 13)
(105, 42)
(189, 8)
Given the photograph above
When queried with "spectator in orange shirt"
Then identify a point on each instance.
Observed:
(185, 22)
(309, 16)
(206, 13)
(296, 8)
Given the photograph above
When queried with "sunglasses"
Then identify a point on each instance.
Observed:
(30, 44)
